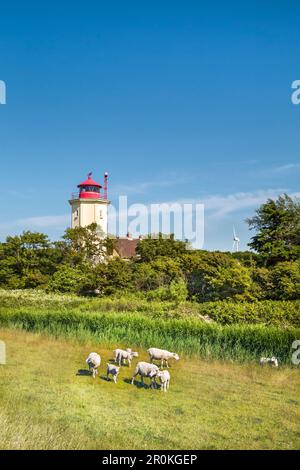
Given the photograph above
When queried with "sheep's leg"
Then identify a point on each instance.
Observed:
(167, 363)
(168, 384)
(115, 379)
(134, 376)
(161, 363)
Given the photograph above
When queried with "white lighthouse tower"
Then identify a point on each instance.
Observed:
(90, 206)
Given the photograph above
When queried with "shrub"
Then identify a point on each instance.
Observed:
(176, 292)
(66, 279)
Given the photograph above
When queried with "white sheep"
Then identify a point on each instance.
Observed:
(112, 370)
(164, 377)
(126, 356)
(162, 355)
(93, 361)
(117, 351)
(271, 361)
(144, 369)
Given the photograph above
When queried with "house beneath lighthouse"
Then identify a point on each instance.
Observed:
(89, 205)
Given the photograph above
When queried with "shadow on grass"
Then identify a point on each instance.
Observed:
(104, 377)
(84, 372)
(140, 384)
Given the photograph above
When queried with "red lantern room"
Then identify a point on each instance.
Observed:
(89, 189)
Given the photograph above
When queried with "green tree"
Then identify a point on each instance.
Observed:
(262, 283)
(215, 276)
(107, 278)
(277, 226)
(286, 281)
(158, 273)
(154, 247)
(84, 245)
(27, 260)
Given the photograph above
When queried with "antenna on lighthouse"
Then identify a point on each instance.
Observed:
(105, 186)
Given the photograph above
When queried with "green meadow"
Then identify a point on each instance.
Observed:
(49, 402)
(219, 398)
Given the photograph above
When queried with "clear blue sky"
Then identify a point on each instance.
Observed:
(178, 100)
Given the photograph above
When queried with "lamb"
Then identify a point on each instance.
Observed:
(162, 355)
(272, 361)
(144, 369)
(117, 351)
(93, 361)
(112, 370)
(126, 356)
(164, 377)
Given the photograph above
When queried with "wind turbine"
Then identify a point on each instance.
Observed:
(236, 241)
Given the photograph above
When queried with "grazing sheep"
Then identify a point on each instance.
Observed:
(164, 377)
(112, 370)
(162, 355)
(117, 352)
(144, 369)
(93, 361)
(271, 361)
(125, 356)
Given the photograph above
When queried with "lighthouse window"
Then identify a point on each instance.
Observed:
(90, 189)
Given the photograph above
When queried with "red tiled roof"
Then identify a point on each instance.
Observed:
(126, 248)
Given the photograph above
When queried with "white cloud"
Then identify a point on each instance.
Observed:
(218, 206)
(144, 187)
(286, 168)
(47, 221)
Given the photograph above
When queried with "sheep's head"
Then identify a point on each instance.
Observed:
(176, 357)
(134, 354)
(153, 373)
(274, 361)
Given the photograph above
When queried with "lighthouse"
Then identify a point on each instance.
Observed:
(90, 206)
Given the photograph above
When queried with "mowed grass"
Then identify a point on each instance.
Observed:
(44, 404)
